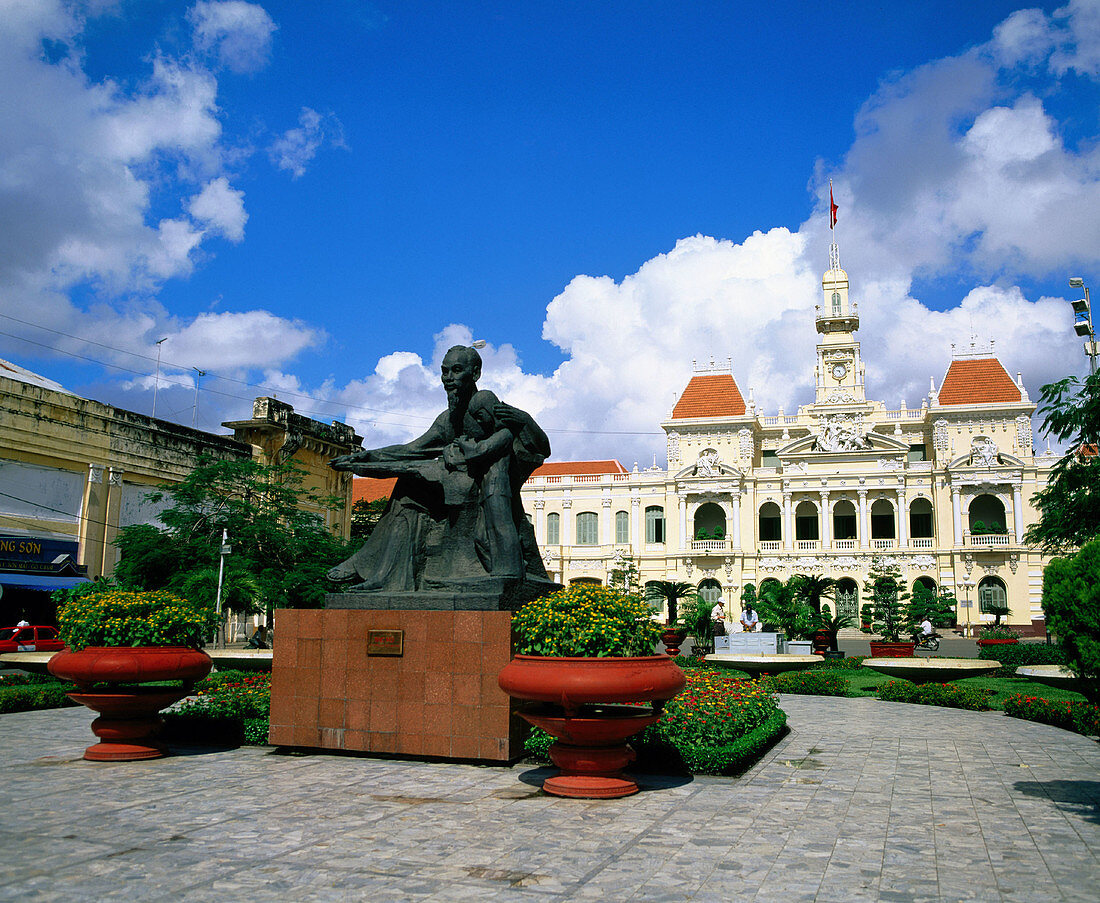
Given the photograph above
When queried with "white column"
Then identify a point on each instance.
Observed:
(1018, 513)
(902, 541)
(788, 522)
(568, 526)
(826, 533)
(682, 508)
(956, 516)
(864, 528)
(735, 520)
(540, 522)
(605, 523)
(637, 539)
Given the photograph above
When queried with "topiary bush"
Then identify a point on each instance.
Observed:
(950, 696)
(1016, 655)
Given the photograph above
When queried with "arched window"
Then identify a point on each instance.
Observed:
(622, 528)
(844, 520)
(654, 524)
(992, 597)
(920, 519)
(586, 581)
(711, 591)
(553, 529)
(987, 515)
(847, 598)
(836, 304)
(771, 522)
(926, 583)
(710, 522)
(882, 520)
(805, 521)
(587, 529)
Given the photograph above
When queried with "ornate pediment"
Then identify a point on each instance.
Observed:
(871, 444)
(708, 464)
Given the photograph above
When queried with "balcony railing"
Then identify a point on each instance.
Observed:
(770, 545)
(987, 540)
(921, 542)
(844, 545)
(883, 543)
(807, 545)
(710, 545)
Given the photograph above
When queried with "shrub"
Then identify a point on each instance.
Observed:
(1016, 655)
(950, 696)
(1071, 601)
(848, 663)
(34, 696)
(231, 707)
(23, 680)
(998, 632)
(586, 620)
(808, 683)
(110, 616)
(1082, 717)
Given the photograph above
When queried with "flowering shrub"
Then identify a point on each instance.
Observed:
(115, 617)
(231, 704)
(1081, 717)
(950, 696)
(998, 632)
(586, 620)
(715, 726)
(32, 696)
(808, 683)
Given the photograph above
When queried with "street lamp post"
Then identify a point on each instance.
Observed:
(156, 382)
(968, 585)
(225, 550)
(1082, 321)
(195, 411)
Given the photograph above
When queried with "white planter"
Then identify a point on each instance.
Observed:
(799, 647)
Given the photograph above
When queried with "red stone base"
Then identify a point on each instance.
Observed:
(439, 699)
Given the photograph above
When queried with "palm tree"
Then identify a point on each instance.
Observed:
(671, 592)
(812, 589)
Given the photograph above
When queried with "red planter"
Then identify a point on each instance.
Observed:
(1003, 642)
(129, 719)
(591, 733)
(892, 650)
(673, 637)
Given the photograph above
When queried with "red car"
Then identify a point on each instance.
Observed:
(30, 639)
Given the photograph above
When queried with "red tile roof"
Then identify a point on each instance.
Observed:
(713, 395)
(371, 489)
(578, 468)
(977, 381)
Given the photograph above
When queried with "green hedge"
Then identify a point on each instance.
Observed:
(808, 683)
(34, 696)
(1017, 655)
(952, 696)
(1081, 717)
(848, 663)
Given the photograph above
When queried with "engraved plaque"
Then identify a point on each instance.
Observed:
(385, 642)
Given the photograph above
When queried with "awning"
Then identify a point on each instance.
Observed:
(45, 582)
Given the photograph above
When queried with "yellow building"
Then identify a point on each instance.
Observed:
(74, 471)
(941, 489)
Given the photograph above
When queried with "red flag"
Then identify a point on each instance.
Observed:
(833, 208)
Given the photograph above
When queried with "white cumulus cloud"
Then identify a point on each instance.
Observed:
(239, 34)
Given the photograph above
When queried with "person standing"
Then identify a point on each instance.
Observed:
(718, 619)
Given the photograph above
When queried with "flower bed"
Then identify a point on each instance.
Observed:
(950, 696)
(229, 706)
(808, 683)
(1081, 717)
(717, 725)
(583, 620)
(30, 692)
(107, 616)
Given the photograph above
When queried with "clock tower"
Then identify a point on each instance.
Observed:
(839, 371)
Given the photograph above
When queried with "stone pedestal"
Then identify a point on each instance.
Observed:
(439, 698)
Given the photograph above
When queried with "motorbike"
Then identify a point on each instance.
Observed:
(930, 641)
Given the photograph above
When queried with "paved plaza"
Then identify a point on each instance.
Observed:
(863, 800)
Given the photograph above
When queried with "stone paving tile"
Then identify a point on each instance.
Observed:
(863, 800)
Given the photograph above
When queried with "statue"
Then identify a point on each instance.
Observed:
(455, 522)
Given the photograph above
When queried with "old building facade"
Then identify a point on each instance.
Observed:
(941, 489)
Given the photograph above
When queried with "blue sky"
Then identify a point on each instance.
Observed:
(319, 197)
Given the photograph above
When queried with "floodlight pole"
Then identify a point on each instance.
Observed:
(195, 410)
(156, 382)
(1082, 325)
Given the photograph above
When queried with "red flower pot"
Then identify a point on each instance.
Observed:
(672, 637)
(129, 719)
(1000, 642)
(590, 746)
(892, 650)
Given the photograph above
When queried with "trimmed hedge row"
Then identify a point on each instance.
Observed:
(1080, 717)
(808, 683)
(34, 696)
(950, 696)
(1016, 655)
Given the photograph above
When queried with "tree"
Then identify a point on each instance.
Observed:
(811, 589)
(780, 604)
(365, 516)
(624, 574)
(1071, 604)
(1069, 506)
(671, 592)
(282, 550)
(698, 623)
(889, 599)
(939, 607)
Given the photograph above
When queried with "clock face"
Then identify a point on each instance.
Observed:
(839, 371)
